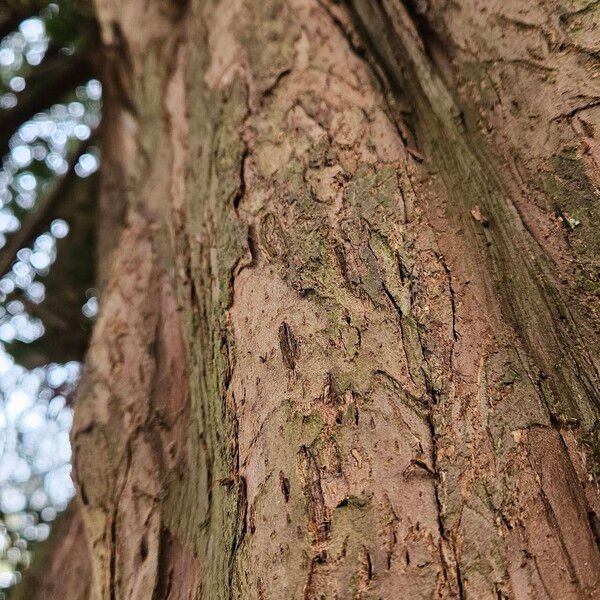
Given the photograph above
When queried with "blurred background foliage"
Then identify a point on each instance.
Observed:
(50, 108)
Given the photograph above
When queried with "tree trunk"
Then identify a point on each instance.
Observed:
(348, 347)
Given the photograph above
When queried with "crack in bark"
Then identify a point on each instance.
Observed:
(361, 53)
(455, 335)
(113, 524)
(445, 539)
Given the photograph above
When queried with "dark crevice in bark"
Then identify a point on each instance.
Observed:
(594, 522)
(253, 245)
(359, 51)
(435, 48)
(113, 557)
(552, 520)
(119, 70)
(241, 191)
(392, 300)
(352, 39)
(379, 64)
(164, 569)
(284, 482)
(448, 273)
(445, 537)
(270, 91)
(592, 517)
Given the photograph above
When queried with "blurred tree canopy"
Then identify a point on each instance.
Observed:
(50, 105)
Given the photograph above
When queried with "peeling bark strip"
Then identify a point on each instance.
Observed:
(385, 183)
(288, 346)
(317, 512)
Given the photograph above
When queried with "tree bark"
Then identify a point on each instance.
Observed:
(348, 347)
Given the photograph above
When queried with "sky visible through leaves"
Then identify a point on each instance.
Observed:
(35, 411)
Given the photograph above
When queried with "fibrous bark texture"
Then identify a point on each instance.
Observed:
(348, 345)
